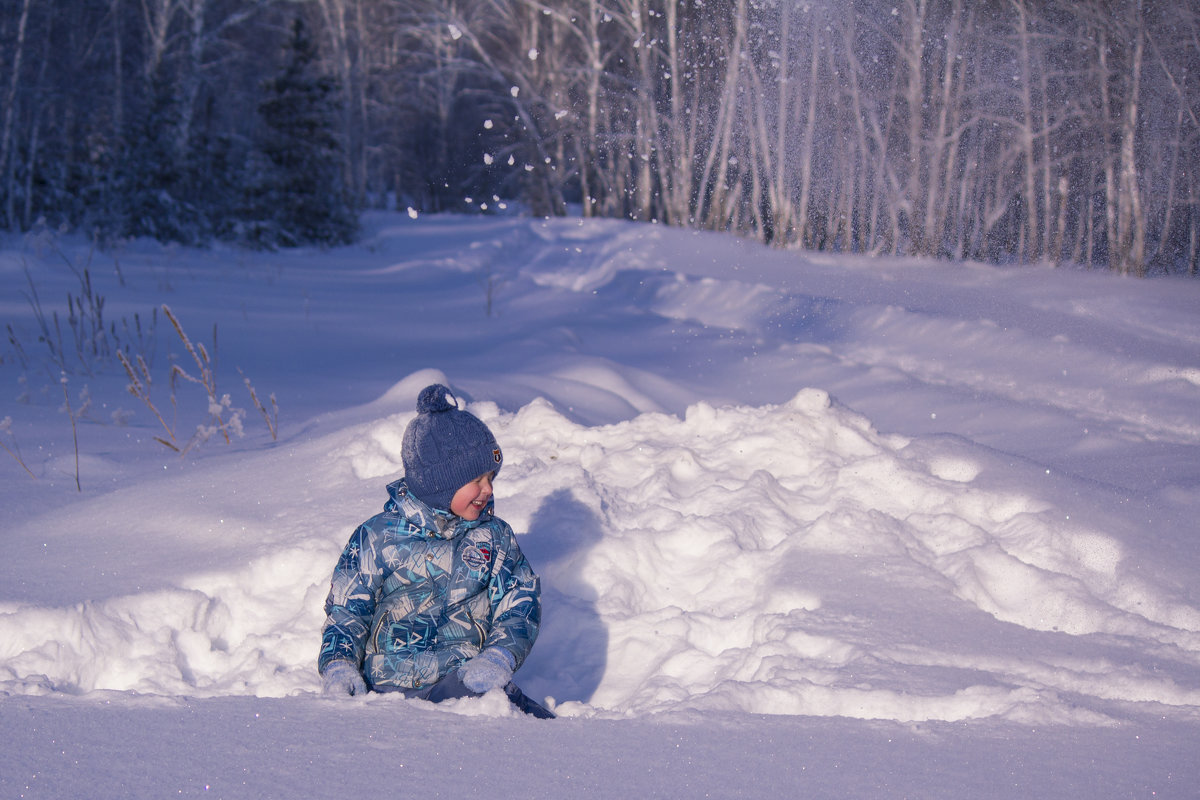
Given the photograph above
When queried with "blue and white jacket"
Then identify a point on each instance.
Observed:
(419, 591)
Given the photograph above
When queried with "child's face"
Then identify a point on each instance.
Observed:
(468, 502)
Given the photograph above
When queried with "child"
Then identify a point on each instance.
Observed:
(432, 597)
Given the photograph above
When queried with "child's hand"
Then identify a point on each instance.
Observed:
(491, 669)
(343, 678)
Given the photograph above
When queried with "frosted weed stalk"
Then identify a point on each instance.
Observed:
(74, 428)
(218, 406)
(272, 418)
(139, 386)
(87, 343)
(224, 417)
(82, 341)
(14, 451)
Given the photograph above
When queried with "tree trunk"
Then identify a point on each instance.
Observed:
(943, 147)
(1131, 224)
(808, 145)
(912, 56)
(1112, 241)
(714, 190)
(6, 132)
(1031, 250)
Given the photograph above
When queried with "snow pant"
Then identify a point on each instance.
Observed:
(451, 687)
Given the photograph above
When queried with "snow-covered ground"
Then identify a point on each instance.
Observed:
(808, 525)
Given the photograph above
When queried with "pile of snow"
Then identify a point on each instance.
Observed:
(773, 560)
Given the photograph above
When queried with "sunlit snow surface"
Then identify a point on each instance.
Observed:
(768, 494)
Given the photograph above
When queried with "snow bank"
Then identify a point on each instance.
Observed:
(782, 559)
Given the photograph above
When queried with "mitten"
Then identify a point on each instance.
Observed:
(342, 678)
(491, 669)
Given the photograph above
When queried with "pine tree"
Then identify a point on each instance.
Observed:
(299, 197)
(150, 183)
(217, 176)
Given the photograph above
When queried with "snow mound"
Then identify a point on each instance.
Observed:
(783, 559)
(719, 561)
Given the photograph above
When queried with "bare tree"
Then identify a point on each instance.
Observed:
(995, 129)
(715, 195)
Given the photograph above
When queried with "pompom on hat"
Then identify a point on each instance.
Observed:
(445, 448)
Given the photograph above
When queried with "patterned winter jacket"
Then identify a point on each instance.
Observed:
(417, 592)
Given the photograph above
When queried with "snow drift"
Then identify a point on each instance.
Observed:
(774, 560)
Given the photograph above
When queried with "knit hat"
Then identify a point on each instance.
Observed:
(445, 448)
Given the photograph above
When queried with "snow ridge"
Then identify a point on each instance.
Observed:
(781, 559)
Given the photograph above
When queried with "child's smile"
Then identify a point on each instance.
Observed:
(469, 501)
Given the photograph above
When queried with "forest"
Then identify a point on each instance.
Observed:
(1007, 131)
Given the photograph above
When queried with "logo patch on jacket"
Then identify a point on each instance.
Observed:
(476, 558)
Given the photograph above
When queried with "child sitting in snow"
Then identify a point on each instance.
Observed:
(432, 597)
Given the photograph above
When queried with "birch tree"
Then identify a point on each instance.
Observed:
(6, 127)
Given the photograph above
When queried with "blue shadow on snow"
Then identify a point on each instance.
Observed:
(570, 656)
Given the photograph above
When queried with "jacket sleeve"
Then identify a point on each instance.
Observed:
(350, 606)
(515, 595)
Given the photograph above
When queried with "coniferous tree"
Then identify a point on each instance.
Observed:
(150, 190)
(216, 176)
(299, 197)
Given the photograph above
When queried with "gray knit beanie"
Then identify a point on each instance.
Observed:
(444, 448)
